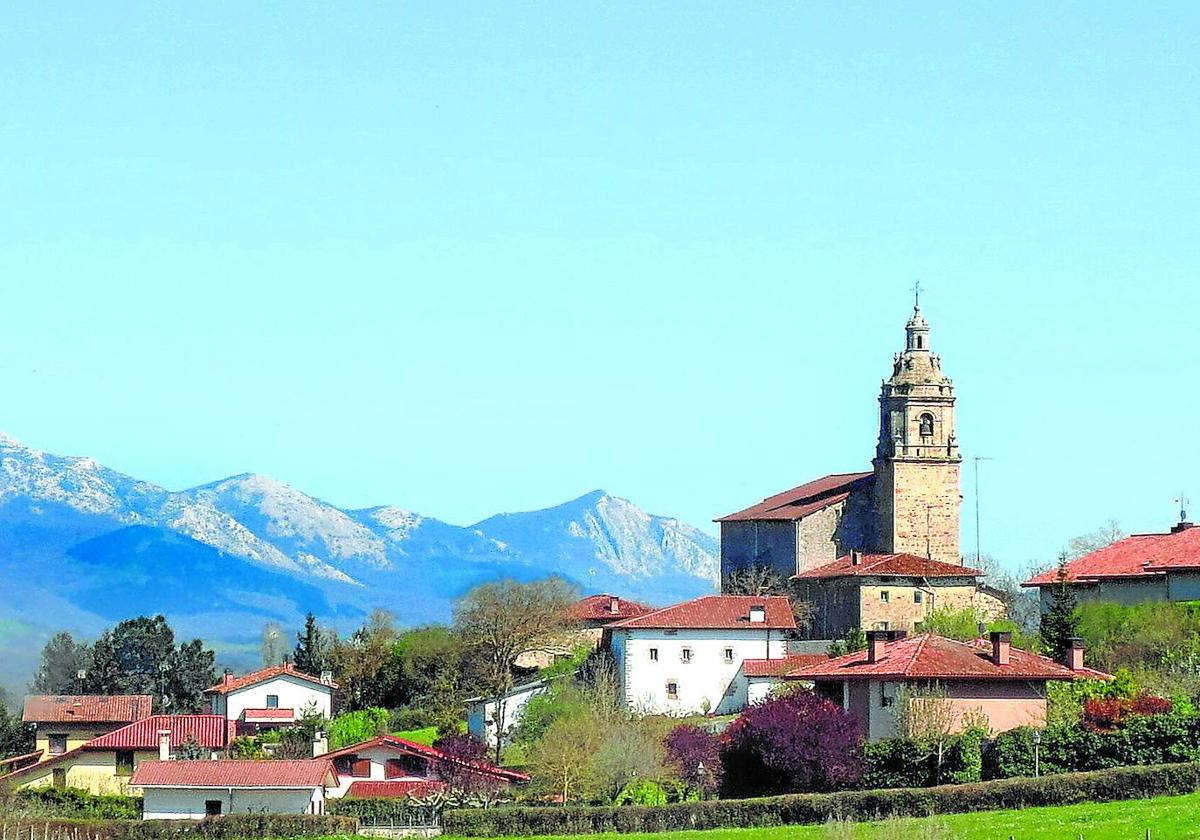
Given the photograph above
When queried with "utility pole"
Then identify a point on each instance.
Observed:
(978, 551)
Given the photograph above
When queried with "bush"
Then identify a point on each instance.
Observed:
(74, 803)
(232, 826)
(356, 727)
(694, 754)
(901, 762)
(813, 808)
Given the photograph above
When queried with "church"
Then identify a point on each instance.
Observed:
(907, 504)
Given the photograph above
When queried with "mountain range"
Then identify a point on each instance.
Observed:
(83, 546)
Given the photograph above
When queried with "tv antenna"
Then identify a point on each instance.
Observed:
(978, 551)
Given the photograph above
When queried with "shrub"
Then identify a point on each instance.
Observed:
(1106, 714)
(795, 742)
(73, 803)
(814, 808)
(902, 762)
(219, 828)
(695, 756)
(355, 727)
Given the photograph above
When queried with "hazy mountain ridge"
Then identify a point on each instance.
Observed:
(86, 546)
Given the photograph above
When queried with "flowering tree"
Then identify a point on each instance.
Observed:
(796, 742)
(695, 756)
(458, 769)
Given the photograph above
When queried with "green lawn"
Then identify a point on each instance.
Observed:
(1168, 818)
(424, 736)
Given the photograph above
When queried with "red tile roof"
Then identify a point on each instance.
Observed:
(599, 608)
(801, 501)
(892, 565)
(16, 762)
(253, 715)
(392, 790)
(932, 657)
(717, 612)
(778, 667)
(211, 731)
(307, 773)
(86, 708)
(1139, 556)
(405, 746)
(232, 683)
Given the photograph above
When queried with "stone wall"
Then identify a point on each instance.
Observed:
(758, 543)
(915, 499)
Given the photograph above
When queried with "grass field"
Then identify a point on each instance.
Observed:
(1167, 818)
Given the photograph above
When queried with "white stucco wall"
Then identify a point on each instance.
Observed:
(708, 676)
(188, 803)
(481, 715)
(293, 693)
(378, 757)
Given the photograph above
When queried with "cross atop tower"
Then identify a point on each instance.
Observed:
(916, 290)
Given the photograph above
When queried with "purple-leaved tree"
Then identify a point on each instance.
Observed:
(695, 754)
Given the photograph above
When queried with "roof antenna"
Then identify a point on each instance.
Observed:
(1183, 502)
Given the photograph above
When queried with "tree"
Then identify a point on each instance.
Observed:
(273, 648)
(1060, 623)
(16, 736)
(63, 667)
(190, 749)
(462, 754)
(139, 656)
(763, 580)
(501, 620)
(561, 761)
(792, 743)
(854, 640)
(359, 661)
(356, 727)
(314, 646)
(1105, 535)
(191, 669)
(695, 756)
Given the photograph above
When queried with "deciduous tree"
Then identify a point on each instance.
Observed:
(64, 666)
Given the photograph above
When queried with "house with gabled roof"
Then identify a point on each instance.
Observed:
(63, 722)
(1141, 567)
(888, 592)
(271, 697)
(987, 676)
(193, 790)
(105, 764)
(687, 658)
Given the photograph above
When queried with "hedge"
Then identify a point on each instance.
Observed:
(231, 826)
(807, 808)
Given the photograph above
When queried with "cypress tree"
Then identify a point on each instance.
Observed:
(1060, 623)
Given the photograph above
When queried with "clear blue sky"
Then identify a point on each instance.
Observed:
(471, 259)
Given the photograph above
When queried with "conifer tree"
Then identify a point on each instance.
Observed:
(1060, 623)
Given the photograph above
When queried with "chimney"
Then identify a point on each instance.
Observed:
(228, 678)
(164, 745)
(758, 614)
(1001, 646)
(876, 644)
(614, 605)
(320, 744)
(1075, 654)
(855, 557)
(327, 678)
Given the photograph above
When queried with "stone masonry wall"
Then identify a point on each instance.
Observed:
(923, 497)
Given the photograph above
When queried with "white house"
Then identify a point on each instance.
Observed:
(388, 766)
(271, 697)
(482, 714)
(687, 659)
(193, 790)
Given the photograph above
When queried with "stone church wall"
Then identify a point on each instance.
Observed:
(758, 543)
(920, 498)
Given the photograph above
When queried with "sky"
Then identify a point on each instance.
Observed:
(471, 258)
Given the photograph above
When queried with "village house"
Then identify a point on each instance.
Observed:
(65, 722)
(388, 766)
(1142, 567)
(586, 620)
(193, 790)
(687, 658)
(987, 676)
(486, 714)
(888, 592)
(271, 697)
(106, 764)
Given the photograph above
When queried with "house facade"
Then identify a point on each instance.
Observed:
(388, 766)
(687, 659)
(271, 697)
(193, 790)
(107, 763)
(888, 592)
(985, 677)
(65, 722)
(908, 503)
(1142, 567)
(487, 714)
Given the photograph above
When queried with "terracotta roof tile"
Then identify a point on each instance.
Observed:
(211, 731)
(778, 667)
(1142, 555)
(806, 499)
(392, 789)
(232, 683)
(933, 657)
(717, 612)
(892, 565)
(86, 708)
(403, 745)
(599, 608)
(239, 774)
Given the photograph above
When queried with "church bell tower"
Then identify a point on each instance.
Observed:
(917, 462)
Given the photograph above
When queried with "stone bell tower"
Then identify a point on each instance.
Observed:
(917, 496)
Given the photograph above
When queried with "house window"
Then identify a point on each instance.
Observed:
(885, 596)
(685, 655)
(360, 768)
(406, 766)
(672, 690)
(272, 701)
(124, 762)
(918, 597)
(728, 655)
(926, 425)
(885, 699)
(212, 807)
(653, 654)
(60, 777)
(58, 744)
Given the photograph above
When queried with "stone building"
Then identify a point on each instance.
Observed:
(907, 504)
